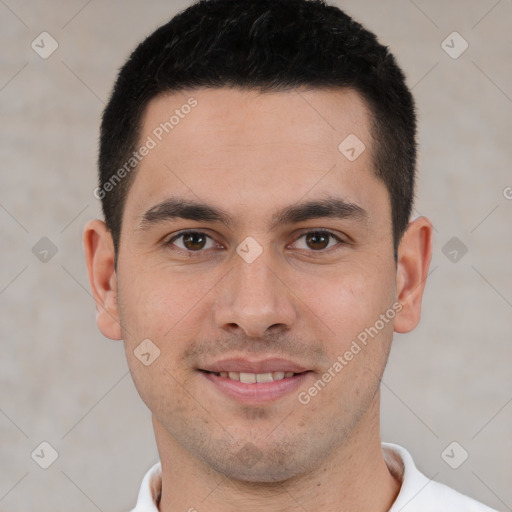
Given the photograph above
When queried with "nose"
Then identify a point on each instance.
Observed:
(254, 299)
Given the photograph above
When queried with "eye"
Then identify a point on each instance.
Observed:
(197, 241)
(317, 240)
(192, 241)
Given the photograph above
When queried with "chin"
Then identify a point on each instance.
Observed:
(272, 465)
(260, 473)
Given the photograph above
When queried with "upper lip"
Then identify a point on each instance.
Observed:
(263, 366)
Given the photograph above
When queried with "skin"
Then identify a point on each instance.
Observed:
(252, 155)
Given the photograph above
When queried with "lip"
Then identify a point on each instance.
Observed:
(256, 394)
(263, 366)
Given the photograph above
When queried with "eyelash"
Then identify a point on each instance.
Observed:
(323, 232)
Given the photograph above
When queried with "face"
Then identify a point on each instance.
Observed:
(255, 256)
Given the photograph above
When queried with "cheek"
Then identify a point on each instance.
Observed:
(347, 312)
(350, 300)
(161, 304)
(154, 307)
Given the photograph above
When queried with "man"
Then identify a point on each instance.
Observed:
(257, 163)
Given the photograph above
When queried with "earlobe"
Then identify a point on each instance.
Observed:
(100, 259)
(414, 255)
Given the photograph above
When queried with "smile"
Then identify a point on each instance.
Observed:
(255, 378)
(255, 388)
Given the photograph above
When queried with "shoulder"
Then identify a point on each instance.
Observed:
(421, 494)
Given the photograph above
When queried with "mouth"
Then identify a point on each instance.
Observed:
(255, 383)
(255, 378)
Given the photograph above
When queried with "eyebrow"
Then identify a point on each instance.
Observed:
(180, 208)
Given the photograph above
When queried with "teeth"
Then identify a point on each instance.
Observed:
(247, 378)
(264, 377)
(253, 378)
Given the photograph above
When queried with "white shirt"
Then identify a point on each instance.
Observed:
(417, 493)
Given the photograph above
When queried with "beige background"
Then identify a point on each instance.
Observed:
(63, 383)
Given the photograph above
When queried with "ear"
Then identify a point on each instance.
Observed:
(99, 255)
(414, 254)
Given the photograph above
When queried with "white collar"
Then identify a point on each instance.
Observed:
(417, 493)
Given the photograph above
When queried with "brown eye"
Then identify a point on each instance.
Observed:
(317, 241)
(194, 241)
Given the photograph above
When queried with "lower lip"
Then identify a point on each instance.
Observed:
(256, 393)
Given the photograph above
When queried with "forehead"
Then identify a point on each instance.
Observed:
(231, 116)
(248, 148)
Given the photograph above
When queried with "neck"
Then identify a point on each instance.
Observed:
(354, 477)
